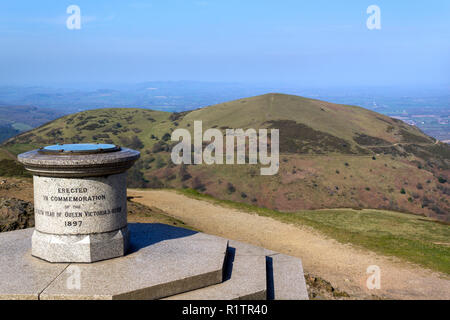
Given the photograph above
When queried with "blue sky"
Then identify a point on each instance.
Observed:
(308, 43)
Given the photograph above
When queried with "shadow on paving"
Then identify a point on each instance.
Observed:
(143, 235)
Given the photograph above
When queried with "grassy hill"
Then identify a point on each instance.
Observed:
(332, 156)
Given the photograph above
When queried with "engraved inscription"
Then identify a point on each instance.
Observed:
(78, 206)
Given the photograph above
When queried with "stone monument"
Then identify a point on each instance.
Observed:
(80, 209)
(80, 201)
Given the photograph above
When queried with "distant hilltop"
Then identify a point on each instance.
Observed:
(331, 155)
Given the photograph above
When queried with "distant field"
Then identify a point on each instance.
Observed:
(22, 126)
(413, 238)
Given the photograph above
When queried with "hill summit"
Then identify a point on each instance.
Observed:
(331, 155)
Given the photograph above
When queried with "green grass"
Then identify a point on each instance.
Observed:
(11, 168)
(341, 121)
(4, 155)
(409, 237)
(20, 148)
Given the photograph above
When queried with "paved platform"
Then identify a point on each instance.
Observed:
(163, 262)
(244, 278)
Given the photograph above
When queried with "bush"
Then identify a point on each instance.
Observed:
(166, 137)
(437, 210)
(230, 188)
(135, 177)
(136, 143)
(426, 202)
(442, 180)
(160, 147)
(198, 185)
(403, 191)
(243, 195)
(183, 173)
(133, 143)
(160, 163)
(11, 168)
(154, 183)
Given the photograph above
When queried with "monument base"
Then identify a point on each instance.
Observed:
(163, 262)
(80, 248)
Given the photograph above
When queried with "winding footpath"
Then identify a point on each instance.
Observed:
(341, 264)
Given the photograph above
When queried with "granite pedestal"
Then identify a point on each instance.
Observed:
(80, 201)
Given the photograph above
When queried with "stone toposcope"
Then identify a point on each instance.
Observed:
(80, 201)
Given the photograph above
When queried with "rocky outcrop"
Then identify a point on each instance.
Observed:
(15, 214)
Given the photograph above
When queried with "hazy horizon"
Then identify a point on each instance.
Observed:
(320, 44)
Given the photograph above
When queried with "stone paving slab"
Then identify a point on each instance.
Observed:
(288, 278)
(245, 277)
(164, 261)
(23, 276)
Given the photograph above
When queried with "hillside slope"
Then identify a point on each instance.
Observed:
(332, 155)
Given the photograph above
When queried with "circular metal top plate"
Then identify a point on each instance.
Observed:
(82, 148)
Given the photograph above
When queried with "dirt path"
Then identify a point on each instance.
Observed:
(343, 265)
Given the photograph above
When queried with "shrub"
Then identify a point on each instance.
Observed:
(437, 210)
(403, 191)
(166, 137)
(160, 147)
(154, 183)
(198, 185)
(230, 188)
(183, 173)
(135, 178)
(10, 168)
(134, 142)
(426, 202)
(159, 163)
